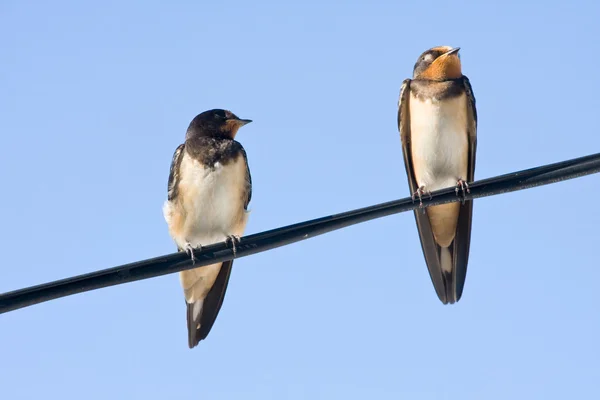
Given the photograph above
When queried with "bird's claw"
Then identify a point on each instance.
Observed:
(190, 250)
(233, 239)
(420, 192)
(463, 186)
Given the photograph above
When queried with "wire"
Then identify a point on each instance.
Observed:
(271, 239)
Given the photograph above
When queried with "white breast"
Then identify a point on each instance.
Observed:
(438, 141)
(210, 205)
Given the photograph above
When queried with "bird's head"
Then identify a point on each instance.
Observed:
(216, 123)
(438, 64)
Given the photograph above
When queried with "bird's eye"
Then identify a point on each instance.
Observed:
(219, 116)
(427, 58)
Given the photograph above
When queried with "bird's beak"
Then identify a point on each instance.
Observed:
(243, 122)
(453, 51)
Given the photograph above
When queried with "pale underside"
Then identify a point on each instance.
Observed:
(440, 155)
(209, 207)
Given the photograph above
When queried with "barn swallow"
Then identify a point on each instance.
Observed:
(209, 190)
(437, 120)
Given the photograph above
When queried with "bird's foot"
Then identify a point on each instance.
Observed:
(190, 250)
(233, 239)
(419, 193)
(463, 186)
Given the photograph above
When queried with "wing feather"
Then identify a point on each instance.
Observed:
(174, 178)
(428, 244)
(462, 239)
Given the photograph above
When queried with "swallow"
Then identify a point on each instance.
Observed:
(209, 190)
(437, 121)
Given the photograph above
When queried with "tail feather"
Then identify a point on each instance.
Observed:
(447, 265)
(446, 259)
(202, 313)
(448, 273)
(194, 315)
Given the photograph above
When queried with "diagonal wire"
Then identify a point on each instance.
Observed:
(271, 239)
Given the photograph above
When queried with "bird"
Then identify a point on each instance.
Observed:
(437, 121)
(209, 190)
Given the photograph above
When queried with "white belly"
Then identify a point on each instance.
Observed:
(438, 141)
(210, 205)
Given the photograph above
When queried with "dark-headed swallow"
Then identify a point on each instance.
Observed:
(437, 121)
(208, 194)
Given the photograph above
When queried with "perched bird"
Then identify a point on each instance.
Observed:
(208, 194)
(437, 121)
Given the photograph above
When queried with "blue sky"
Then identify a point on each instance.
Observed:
(96, 97)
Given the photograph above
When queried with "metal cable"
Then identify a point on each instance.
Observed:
(267, 240)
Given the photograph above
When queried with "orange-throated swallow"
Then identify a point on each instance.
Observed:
(208, 194)
(437, 121)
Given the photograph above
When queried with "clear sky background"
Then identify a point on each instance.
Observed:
(95, 99)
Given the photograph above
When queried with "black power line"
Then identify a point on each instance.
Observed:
(267, 240)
